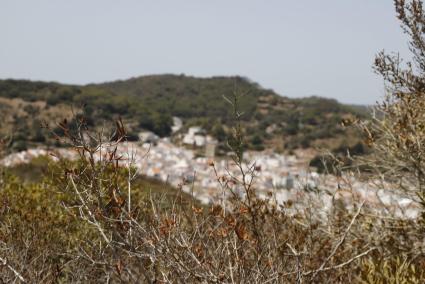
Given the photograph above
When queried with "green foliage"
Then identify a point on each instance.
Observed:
(151, 101)
(394, 270)
(257, 142)
(32, 172)
(37, 235)
(341, 157)
(19, 145)
(218, 132)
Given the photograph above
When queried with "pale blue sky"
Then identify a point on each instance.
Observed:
(297, 48)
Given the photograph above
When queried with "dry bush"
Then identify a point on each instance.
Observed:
(241, 239)
(87, 223)
(396, 135)
(397, 131)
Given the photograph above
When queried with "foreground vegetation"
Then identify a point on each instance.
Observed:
(94, 220)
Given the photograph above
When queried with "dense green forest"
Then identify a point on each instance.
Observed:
(150, 102)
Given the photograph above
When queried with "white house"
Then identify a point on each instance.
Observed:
(148, 137)
(195, 136)
(177, 124)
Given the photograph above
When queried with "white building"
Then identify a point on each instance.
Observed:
(177, 124)
(148, 137)
(195, 136)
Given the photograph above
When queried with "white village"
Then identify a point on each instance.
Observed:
(285, 179)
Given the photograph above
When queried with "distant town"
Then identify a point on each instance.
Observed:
(193, 167)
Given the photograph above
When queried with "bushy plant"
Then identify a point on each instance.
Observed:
(396, 133)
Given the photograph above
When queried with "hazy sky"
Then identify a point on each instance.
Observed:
(295, 47)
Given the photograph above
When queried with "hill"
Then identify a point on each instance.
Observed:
(150, 102)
